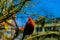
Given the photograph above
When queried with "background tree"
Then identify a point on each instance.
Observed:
(10, 7)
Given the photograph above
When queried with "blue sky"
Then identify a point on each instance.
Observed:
(40, 7)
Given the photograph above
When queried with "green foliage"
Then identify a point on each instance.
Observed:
(40, 21)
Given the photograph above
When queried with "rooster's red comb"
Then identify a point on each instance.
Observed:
(29, 18)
